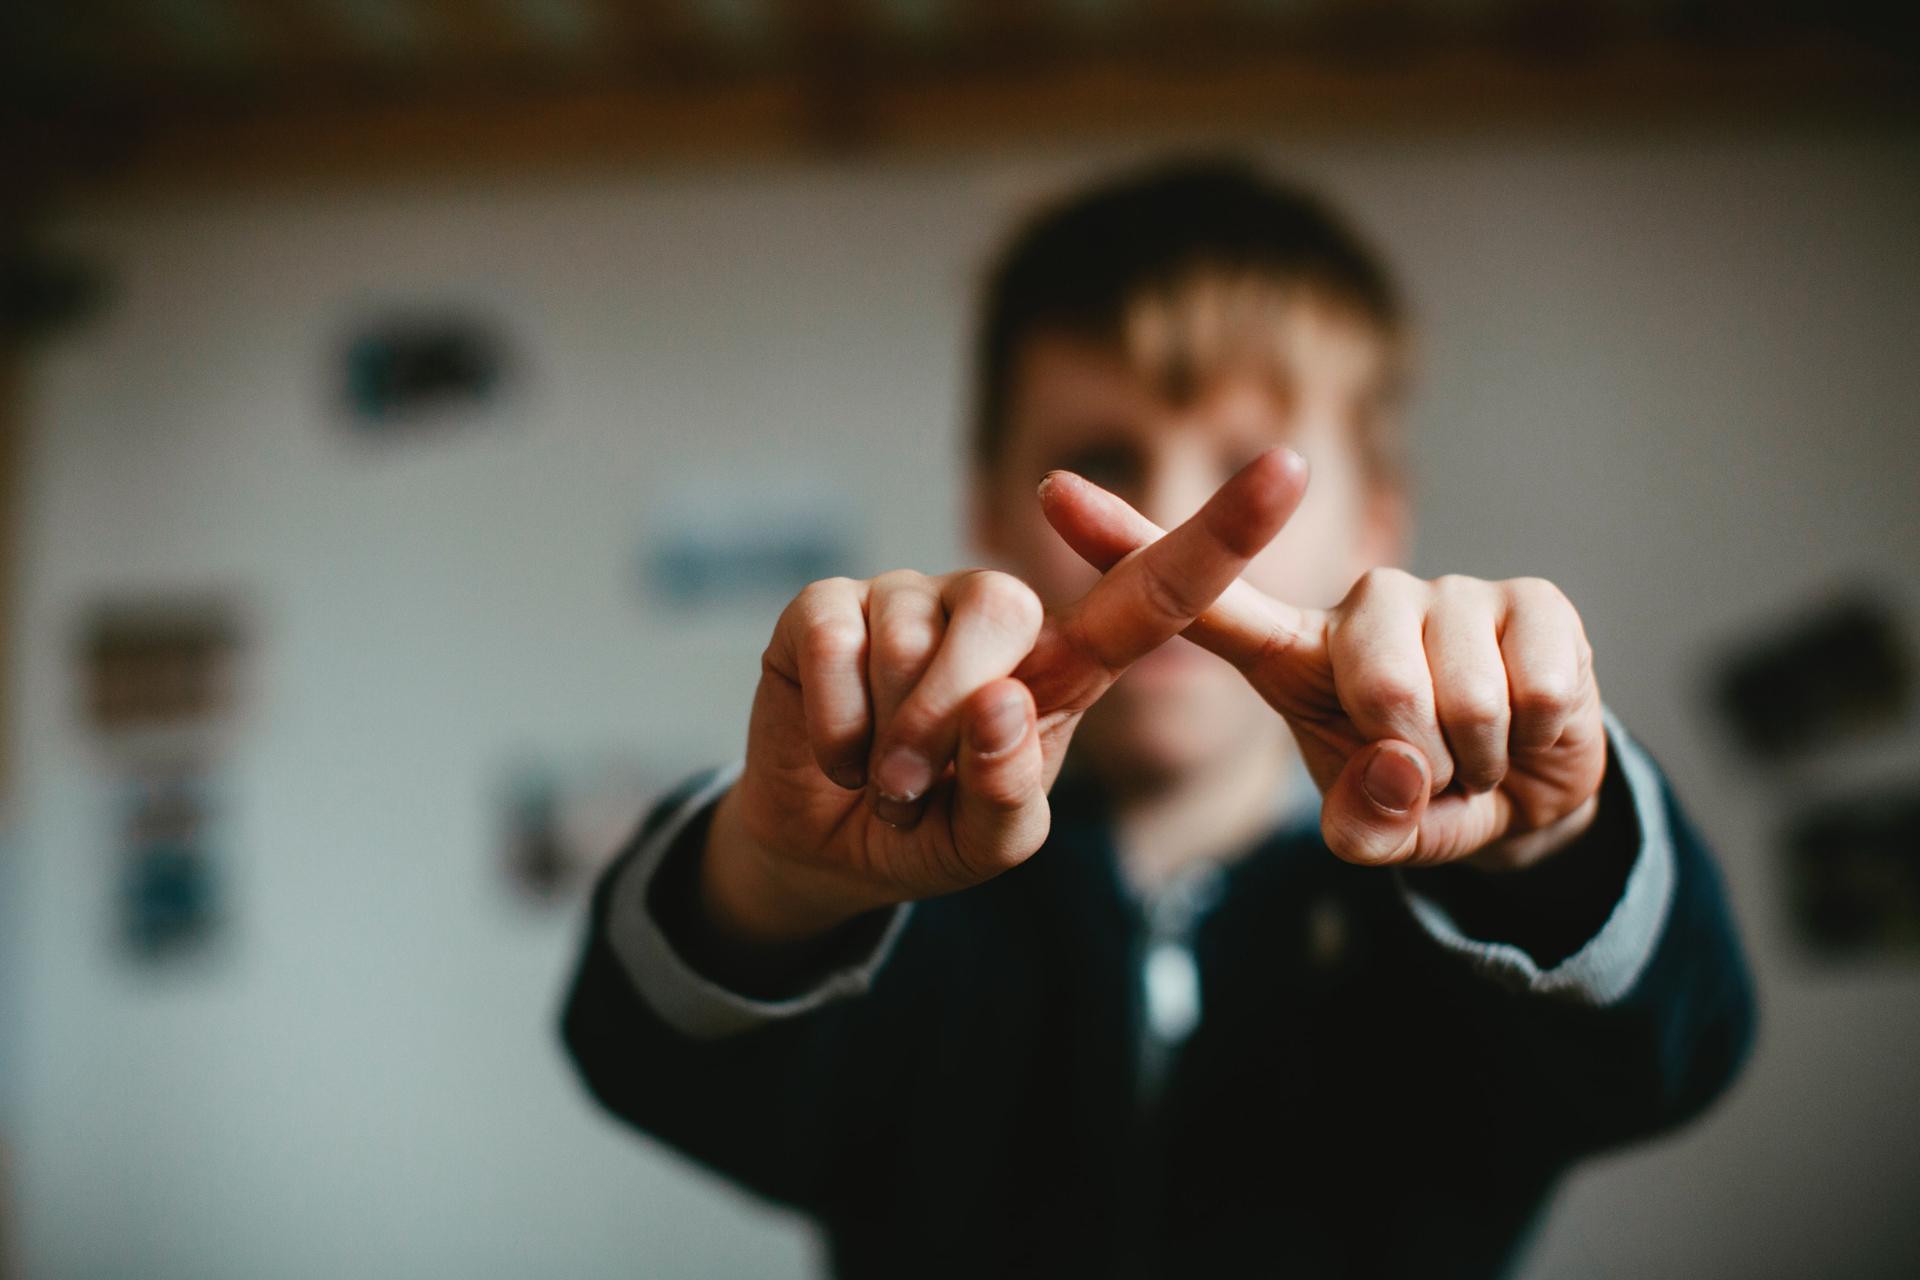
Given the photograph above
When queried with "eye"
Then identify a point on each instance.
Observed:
(1115, 467)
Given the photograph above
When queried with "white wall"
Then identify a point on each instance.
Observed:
(1676, 376)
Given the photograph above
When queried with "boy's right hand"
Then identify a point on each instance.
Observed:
(907, 728)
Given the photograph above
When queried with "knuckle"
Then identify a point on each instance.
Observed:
(897, 579)
(1165, 595)
(1273, 647)
(1545, 694)
(833, 642)
(1082, 641)
(822, 594)
(1481, 774)
(1001, 598)
(1384, 578)
(1537, 593)
(1389, 696)
(1377, 585)
(900, 644)
(1478, 710)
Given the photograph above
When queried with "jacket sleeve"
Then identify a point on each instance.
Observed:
(1589, 935)
(760, 1090)
(1630, 1032)
(1496, 1050)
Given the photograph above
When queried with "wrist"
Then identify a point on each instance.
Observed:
(1555, 904)
(753, 896)
(1518, 853)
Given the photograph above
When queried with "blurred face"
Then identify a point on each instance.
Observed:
(1078, 405)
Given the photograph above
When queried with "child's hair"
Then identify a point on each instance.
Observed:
(1191, 268)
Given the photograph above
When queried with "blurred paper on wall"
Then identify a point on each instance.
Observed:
(160, 691)
(563, 817)
(159, 666)
(170, 872)
(717, 541)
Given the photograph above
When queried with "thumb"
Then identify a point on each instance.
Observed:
(1000, 813)
(1371, 814)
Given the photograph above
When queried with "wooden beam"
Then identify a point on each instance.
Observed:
(304, 45)
(481, 37)
(1124, 95)
(660, 42)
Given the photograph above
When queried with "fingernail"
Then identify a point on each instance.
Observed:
(1393, 780)
(895, 813)
(1001, 729)
(850, 776)
(904, 774)
(1046, 483)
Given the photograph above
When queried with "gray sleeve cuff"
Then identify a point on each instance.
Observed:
(686, 1000)
(1605, 969)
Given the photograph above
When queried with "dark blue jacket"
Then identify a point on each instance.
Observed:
(1356, 1100)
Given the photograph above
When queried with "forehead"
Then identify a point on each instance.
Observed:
(1070, 384)
(1067, 385)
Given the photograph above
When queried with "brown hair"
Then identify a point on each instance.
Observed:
(1191, 268)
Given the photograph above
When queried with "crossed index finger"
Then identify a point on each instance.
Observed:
(1156, 591)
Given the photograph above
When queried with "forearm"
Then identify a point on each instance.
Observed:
(662, 1045)
(710, 1100)
(1604, 993)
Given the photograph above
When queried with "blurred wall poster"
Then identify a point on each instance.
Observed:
(731, 540)
(564, 817)
(159, 699)
(169, 877)
(1824, 685)
(425, 370)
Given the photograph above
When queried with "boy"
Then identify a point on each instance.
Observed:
(1354, 922)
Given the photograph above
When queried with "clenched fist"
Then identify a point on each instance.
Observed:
(906, 728)
(1441, 720)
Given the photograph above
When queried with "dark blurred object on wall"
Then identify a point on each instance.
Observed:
(1839, 672)
(565, 815)
(43, 292)
(409, 373)
(1855, 873)
(170, 883)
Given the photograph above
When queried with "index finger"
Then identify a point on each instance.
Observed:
(1157, 590)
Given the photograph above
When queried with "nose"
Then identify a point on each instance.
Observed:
(1176, 480)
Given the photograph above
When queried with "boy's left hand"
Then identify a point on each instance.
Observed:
(1444, 720)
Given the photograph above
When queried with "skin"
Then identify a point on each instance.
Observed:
(906, 728)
